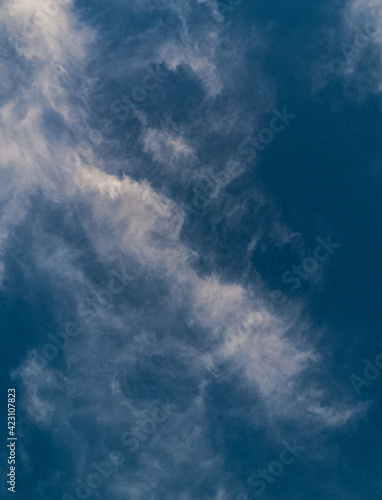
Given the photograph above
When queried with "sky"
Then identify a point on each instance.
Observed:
(190, 249)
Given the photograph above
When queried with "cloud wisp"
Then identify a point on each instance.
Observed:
(134, 318)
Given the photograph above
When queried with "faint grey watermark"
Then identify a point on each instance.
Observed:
(249, 148)
(138, 434)
(371, 372)
(310, 265)
(43, 16)
(365, 33)
(60, 340)
(260, 479)
(151, 81)
(228, 6)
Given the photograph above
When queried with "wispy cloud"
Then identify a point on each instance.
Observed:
(171, 326)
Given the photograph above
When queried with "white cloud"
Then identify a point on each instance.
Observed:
(134, 213)
(166, 147)
(128, 222)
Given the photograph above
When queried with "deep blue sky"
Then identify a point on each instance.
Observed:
(131, 217)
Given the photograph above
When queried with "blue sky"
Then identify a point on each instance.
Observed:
(190, 269)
